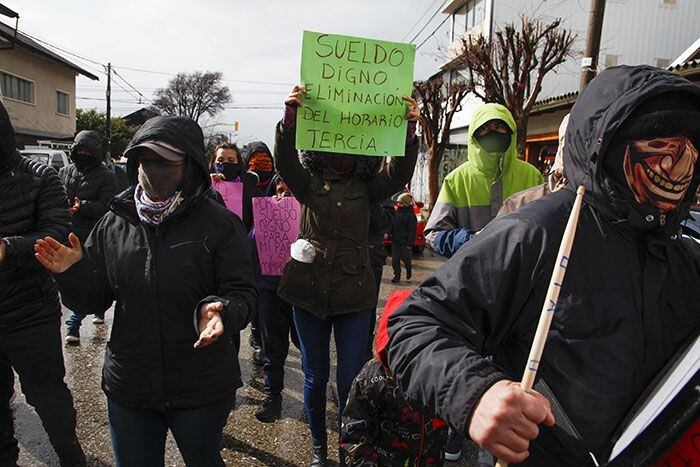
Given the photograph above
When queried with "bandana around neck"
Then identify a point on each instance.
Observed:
(153, 212)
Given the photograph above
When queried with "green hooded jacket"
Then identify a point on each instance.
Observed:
(472, 194)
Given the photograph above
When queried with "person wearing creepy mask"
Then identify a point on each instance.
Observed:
(90, 186)
(555, 179)
(258, 160)
(629, 302)
(179, 266)
(329, 279)
(472, 194)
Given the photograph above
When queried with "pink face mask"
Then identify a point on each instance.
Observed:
(659, 171)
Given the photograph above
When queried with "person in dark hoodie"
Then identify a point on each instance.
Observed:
(379, 427)
(403, 235)
(90, 186)
(258, 160)
(629, 301)
(33, 204)
(179, 265)
(276, 326)
(330, 283)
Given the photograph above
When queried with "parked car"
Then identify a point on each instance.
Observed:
(691, 227)
(419, 245)
(51, 157)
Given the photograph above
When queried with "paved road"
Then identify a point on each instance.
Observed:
(247, 442)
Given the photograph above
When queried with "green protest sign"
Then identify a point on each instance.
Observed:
(353, 102)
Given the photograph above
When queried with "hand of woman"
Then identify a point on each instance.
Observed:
(210, 324)
(294, 97)
(56, 257)
(216, 177)
(412, 112)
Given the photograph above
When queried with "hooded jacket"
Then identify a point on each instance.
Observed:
(95, 185)
(630, 298)
(33, 205)
(159, 277)
(403, 227)
(472, 194)
(379, 428)
(335, 214)
(259, 147)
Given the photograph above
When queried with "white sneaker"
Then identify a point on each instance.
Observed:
(97, 319)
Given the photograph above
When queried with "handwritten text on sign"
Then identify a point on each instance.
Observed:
(354, 99)
(232, 193)
(276, 228)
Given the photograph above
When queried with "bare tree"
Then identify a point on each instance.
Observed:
(193, 95)
(510, 68)
(440, 97)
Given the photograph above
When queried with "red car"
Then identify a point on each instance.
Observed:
(419, 244)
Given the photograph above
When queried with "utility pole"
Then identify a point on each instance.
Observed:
(108, 119)
(589, 63)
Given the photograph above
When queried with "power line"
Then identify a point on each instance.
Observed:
(433, 33)
(430, 7)
(428, 22)
(116, 73)
(141, 70)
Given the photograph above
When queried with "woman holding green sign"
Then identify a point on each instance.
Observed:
(329, 279)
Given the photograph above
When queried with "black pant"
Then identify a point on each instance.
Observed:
(400, 253)
(276, 328)
(36, 355)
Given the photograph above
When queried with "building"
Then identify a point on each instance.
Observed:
(37, 87)
(652, 32)
(139, 117)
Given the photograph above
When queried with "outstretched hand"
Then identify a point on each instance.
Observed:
(210, 324)
(57, 257)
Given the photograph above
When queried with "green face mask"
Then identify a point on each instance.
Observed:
(494, 142)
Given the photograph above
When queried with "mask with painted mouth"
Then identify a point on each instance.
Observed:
(659, 171)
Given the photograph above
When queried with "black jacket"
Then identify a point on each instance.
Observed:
(335, 213)
(403, 227)
(95, 185)
(32, 206)
(630, 297)
(159, 278)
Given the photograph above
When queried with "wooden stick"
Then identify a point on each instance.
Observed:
(550, 303)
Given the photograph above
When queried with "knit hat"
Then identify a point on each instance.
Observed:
(666, 114)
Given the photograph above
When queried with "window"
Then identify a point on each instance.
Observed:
(471, 13)
(14, 87)
(62, 105)
(611, 60)
(663, 62)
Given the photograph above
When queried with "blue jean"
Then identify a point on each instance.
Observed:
(138, 435)
(76, 319)
(351, 332)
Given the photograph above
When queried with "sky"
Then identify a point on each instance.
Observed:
(256, 44)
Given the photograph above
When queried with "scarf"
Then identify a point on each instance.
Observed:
(153, 212)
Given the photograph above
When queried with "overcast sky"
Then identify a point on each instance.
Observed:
(257, 41)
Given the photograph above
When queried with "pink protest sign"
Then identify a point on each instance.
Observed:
(232, 192)
(276, 228)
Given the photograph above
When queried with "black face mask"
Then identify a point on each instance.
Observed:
(229, 170)
(160, 181)
(83, 162)
(495, 142)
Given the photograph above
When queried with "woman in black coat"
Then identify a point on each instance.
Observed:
(179, 266)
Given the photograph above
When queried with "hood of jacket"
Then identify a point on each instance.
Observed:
(272, 187)
(184, 134)
(90, 140)
(254, 148)
(600, 110)
(490, 164)
(381, 339)
(8, 146)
